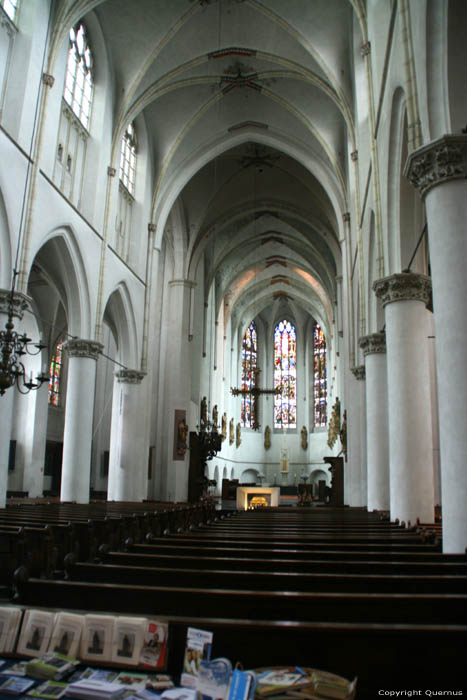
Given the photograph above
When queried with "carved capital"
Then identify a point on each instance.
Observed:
(404, 286)
(358, 372)
(130, 376)
(365, 49)
(373, 343)
(111, 172)
(48, 79)
(346, 217)
(354, 155)
(441, 161)
(18, 304)
(79, 347)
(189, 284)
(151, 228)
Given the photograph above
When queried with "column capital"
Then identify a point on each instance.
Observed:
(130, 376)
(19, 305)
(437, 162)
(358, 372)
(189, 284)
(346, 217)
(48, 79)
(111, 171)
(79, 347)
(403, 286)
(151, 228)
(373, 343)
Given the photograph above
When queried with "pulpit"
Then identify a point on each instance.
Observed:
(337, 480)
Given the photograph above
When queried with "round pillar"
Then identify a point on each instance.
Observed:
(439, 171)
(128, 463)
(377, 441)
(356, 464)
(404, 297)
(77, 438)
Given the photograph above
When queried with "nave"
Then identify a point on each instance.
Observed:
(337, 589)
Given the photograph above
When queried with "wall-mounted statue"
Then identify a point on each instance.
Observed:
(238, 440)
(267, 437)
(224, 426)
(304, 434)
(203, 413)
(231, 432)
(215, 418)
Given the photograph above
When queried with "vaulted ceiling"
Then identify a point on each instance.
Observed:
(249, 109)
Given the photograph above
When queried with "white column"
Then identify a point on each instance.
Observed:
(128, 459)
(439, 171)
(404, 297)
(177, 388)
(77, 437)
(356, 462)
(17, 306)
(377, 441)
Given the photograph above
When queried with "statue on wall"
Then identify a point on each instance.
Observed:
(343, 435)
(238, 440)
(224, 426)
(215, 418)
(204, 413)
(304, 434)
(334, 423)
(267, 438)
(231, 431)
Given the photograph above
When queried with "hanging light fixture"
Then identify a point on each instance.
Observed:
(13, 347)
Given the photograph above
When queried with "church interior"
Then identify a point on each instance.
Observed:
(232, 256)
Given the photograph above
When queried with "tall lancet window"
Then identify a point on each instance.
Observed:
(11, 8)
(285, 375)
(79, 79)
(319, 377)
(55, 375)
(249, 364)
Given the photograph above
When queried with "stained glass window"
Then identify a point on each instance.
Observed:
(79, 79)
(319, 377)
(249, 364)
(54, 375)
(128, 159)
(285, 375)
(11, 8)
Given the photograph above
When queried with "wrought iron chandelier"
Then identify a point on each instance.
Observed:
(14, 346)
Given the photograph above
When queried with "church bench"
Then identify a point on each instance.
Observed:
(26, 546)
(442, 564)
(366, 580)
(277, 543)
(250, 604)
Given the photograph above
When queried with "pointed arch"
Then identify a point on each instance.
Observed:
(285, 374)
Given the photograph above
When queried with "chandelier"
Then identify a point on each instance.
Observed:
(13, 347)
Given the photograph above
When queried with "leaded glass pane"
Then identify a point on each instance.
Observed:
(79, 80)
(54, 375)
(128, 159)
(10, 7)
(319, 377)
(249, 365)
(285, 375)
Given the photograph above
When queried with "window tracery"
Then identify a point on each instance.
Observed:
(79, 75)
(249, 365)
(319, 377)
(55, 371)
(285, 375)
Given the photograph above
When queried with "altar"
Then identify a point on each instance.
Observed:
(246, 493)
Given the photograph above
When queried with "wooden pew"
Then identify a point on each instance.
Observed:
(366, 580)
(250, 604)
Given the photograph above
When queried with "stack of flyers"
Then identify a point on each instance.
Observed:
(197, 649)
(97, 690)
(51, 667)
(51, 690)
(18, 669)
(15, 685)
